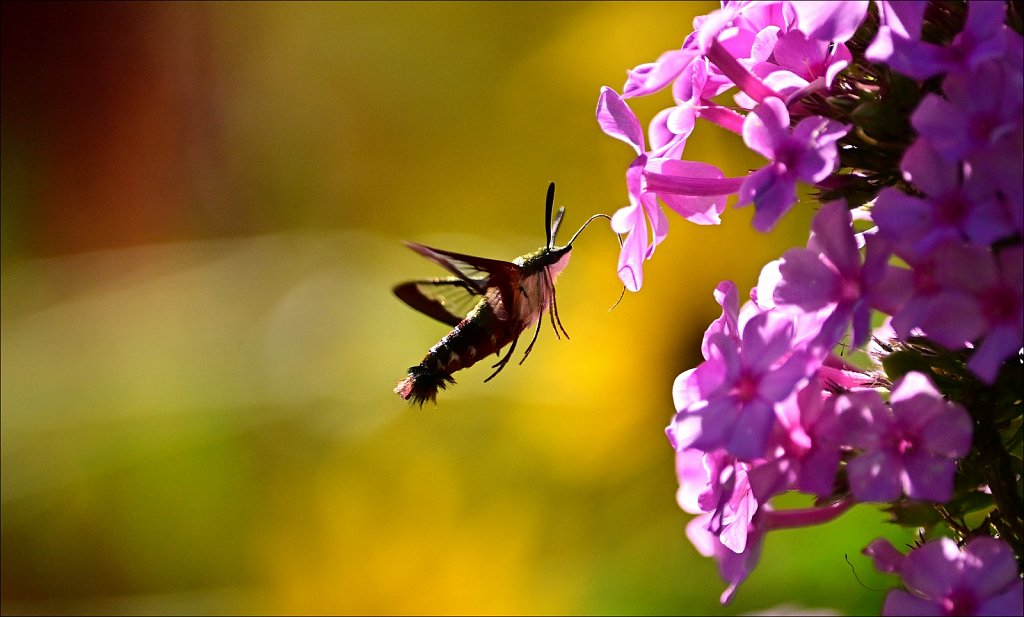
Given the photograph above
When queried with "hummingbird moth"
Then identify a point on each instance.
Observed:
(488, 302)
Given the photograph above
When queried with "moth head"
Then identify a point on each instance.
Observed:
(551, 226)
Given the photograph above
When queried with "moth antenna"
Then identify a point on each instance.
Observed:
(555, 226)
(548, 205)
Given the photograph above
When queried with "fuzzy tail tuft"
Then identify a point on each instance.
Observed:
(422, 385)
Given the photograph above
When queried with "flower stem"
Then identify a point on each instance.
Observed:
(788, 519)
(744, 79)
(694, 187)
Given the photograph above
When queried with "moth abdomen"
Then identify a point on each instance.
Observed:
(422, 384)
(470, 341)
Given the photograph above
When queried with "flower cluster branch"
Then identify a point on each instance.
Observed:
(907, 120)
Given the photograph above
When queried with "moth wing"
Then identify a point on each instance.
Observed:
(447, 300)
(477, 272)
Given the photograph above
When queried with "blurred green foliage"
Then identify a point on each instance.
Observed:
(202, 208)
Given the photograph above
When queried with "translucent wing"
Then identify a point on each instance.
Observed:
(450, 299)
(447, 300)
(478, 272)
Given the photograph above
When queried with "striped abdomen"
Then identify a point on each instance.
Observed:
(483, 332)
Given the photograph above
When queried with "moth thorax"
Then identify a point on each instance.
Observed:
(554, 260)
(538, 283)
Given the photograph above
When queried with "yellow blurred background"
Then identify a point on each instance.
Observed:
(202, 214)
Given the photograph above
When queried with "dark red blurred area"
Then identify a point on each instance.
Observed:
(110, 133)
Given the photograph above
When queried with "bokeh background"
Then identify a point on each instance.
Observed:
(202, 214)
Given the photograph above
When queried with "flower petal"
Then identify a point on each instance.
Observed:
(618, 120)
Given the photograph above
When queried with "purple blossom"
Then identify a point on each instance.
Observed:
(951, 208)
(810, 58)
(807, 325)
(997, 286)
(733, 29)
(963, 122)
(715, 487)
(807, 447)
(651, 77)
(884, 556)
(899, 31)
(987, 131)
(808, 441)
(736, 38)
(798, 65)
(1000, 167)
(911, 449)
(728, 297)
(731, 523)
(728, 401)
(672, 126)
(703, 188)
(618, 120)
(962, 295)
(830, 277)
(732, 68)
(727, 498)
(829, 21)
(926, 300)
(942, 579)
(733, 567)
(632, 220)
(737, 24)
(757, 47)
(771, 408)
(807, 154)
(984, 36)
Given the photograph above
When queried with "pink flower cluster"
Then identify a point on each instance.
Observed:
(909, 117)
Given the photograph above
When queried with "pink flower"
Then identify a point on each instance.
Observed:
(618, 120)
(963, 122)
(997, 286)
(829, 277)
(797, 66)
(728, 401)
(714, 486)
(643, 221)
(956, 205)
(963, 294)
(829, 21)
(807, 451)
(942, 579)
(733, 567)
(898, 41)
(911, 449)
(807, 153)
(899, 32)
